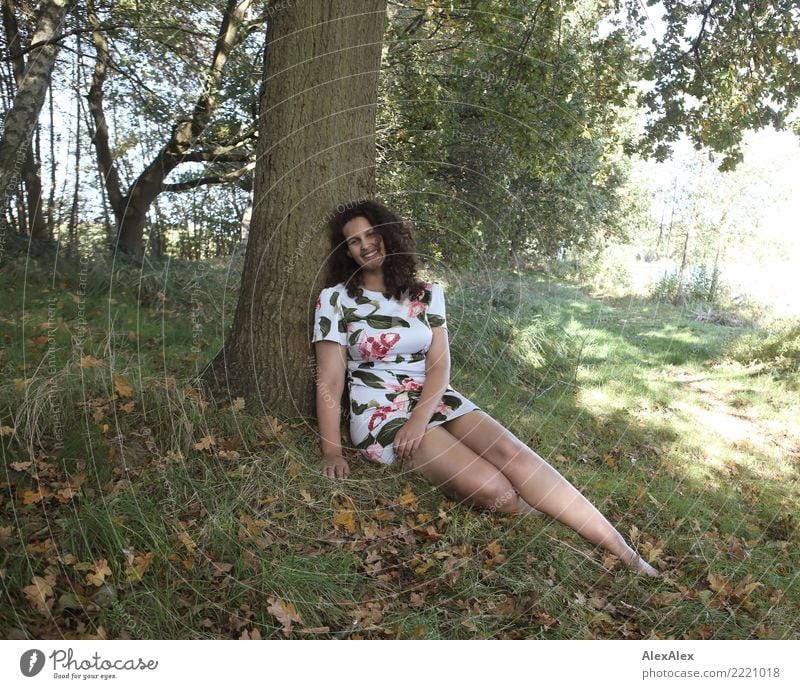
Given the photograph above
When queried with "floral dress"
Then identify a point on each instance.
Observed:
(386, 342)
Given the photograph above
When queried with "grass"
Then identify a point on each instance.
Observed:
(117, 522)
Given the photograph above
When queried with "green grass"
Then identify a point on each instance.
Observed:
(689, 450)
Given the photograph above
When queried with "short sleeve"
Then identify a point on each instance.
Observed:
(328, 318)
(437, 318)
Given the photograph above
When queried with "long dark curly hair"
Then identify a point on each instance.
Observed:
(401, 261)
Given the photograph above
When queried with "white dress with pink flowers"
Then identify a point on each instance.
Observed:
(386, 344)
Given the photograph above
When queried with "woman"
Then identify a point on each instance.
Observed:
(384, 331)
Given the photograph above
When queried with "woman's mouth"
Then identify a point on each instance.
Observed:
(370, 256)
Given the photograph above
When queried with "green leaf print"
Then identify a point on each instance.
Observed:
(357, 408)
(435, 321)
(382, 322)
(389, 431)
(451, 401)
(364, 444)
(324, 325)
(368, 378)
(353, 340)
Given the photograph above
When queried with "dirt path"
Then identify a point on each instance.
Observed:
(738, 426)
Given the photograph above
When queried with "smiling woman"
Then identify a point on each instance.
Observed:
(384, 331)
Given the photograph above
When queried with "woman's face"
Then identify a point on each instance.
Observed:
(364, 244)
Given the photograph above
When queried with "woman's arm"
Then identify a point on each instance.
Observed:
(330, 379)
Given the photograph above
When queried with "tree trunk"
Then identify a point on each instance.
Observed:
(23, 116)
(316, 150)
(31, 174)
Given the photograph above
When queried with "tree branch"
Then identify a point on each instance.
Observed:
(210, 179)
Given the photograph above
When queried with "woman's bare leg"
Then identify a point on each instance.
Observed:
(541, 486)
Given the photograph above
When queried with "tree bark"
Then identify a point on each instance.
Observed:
(30, 171)
(16, 154)
(316, 150)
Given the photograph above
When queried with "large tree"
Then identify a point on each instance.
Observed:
(23, 117)
(316, 150)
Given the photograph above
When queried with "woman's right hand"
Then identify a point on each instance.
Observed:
(335, 467)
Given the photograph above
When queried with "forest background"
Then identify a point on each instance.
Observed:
(641, 152)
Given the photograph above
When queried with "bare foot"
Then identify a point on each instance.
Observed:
(638, 564)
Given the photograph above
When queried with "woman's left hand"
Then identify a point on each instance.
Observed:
(409, 438)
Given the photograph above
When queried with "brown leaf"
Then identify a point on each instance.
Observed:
(30, 497)
(38, 593)
(127, 408)
(6, 430)
(232, 442)
(141, 563)
(284, 612)
(268, 427)
(736, 550)
(66, 494)
(408, 499)
(101, 571)
(122, 386)
(221, 568)
(186, 539)
(719, 584)
(237, 404)
(205, 442)
(89, 361)
(345, 518)
(493, 549)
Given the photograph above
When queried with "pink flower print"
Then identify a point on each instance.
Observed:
(318, 304)
(443, 408)
(407, 384)
(421, 295)
(379, 415)
(373, 453)
(401, 402)
(382, 413)
(415, 308)
(377, 347)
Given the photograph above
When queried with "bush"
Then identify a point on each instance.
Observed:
(701, 285)
(777, 348)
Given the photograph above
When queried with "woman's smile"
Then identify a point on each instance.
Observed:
(364, 243)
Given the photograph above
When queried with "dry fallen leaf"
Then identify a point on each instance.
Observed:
(122, 386)
(205, 442)
(186, 539)
(284, 612)
(6, 430)
(38, 593)
(141, 563)
(101, 571)
(237, 404)
(345, 518)
(408, 499)
(127, 408)
(89, 361)
(31, 497)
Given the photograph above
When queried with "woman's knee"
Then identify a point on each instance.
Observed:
(489, 490)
